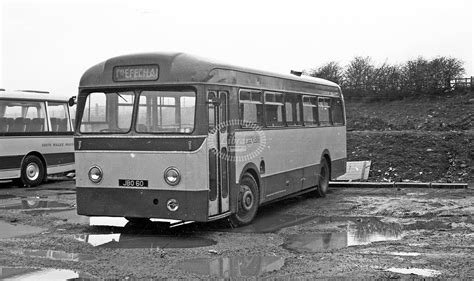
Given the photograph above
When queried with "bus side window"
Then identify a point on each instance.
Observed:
(292, 109)
(251, 108)
(324, 105)
(58, 117)
(273, 109)
(337, 113)
(310, 110)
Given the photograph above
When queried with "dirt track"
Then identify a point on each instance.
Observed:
(352, 233)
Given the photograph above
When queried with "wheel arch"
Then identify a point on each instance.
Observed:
(252, 169)
(40, 156)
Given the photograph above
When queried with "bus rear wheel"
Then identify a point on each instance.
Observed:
(247, 202)
(324, 175)
(32, 171)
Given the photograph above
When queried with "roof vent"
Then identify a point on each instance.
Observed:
(296, 73)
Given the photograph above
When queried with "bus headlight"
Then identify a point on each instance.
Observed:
(172, 176)
(95, 174)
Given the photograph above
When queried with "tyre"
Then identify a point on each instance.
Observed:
(324, 175)
(32, 171)
(247, 202)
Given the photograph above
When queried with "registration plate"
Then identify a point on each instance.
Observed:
(133, 183)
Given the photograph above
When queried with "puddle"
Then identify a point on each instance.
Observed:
(265, 223)
(232, 267)
(136, 241)
(416, 194)
(9, 230)
(357, 232)
(26, 273)
(53, 255)
(71, 216)
(416, 271)
(98, 239)
(28, 204)
(429, 225)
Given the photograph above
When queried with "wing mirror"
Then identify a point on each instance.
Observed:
(72, 101)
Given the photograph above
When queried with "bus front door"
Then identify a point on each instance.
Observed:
(218, 153)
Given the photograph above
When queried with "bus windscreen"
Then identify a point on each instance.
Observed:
(157, 112)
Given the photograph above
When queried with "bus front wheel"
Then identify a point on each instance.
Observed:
(247, 202)
(324, 175)
(32, 171)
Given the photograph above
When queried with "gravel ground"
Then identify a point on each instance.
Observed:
(351, 234)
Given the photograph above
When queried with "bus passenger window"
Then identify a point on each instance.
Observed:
(58, 117)
(323, 111)
(273, 109)
(23, 116)
(336, 112)
(251, 108)
(292, 109)
(310, 110)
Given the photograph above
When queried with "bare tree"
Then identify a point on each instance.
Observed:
(415, 75)
(359, 73)
(331, 71)
(443, 70)
(361, 76)
(387, 77)
(421, 75)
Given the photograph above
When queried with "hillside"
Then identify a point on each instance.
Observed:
(418, 139)
(427, 113)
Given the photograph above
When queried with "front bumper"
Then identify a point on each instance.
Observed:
(142, 203)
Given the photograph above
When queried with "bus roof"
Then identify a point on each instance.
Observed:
(181, 68)
(31, 95)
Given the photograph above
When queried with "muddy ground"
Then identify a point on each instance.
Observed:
(352, 233)
(427, 138)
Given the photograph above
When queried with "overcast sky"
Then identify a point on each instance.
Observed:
(47, 45)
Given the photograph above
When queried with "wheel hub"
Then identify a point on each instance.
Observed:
(247, 199)
(32, 171)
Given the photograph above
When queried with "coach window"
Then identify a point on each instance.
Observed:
(58, 117)
(251, 108)
(293, 109)
(323, 111)
(337, 113)
(23, 116)
(310, 110)
(273, 109)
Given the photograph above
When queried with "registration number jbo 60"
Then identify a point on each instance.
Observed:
(133, 183)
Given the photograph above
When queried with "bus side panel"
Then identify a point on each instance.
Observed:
(59, 149)
(292, 156)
